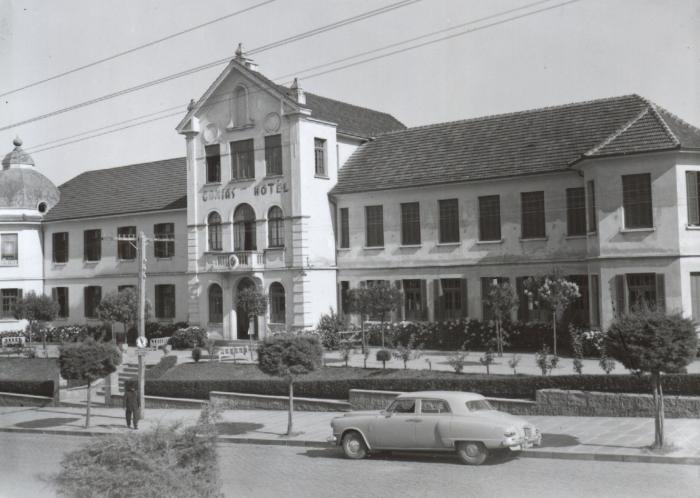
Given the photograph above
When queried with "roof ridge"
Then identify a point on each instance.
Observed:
(113, 168)
(618, 132)
(662, 110)
(515, 113)
(664, 124)
(348, 104)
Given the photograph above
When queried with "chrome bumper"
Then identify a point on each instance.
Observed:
(332, 440)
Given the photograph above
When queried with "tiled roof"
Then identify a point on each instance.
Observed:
(520, 143)
(135, 188)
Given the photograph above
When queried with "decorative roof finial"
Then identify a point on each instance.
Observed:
(239, 51)
(295, 84)
(190, 106)
(296, 92)
(17, 142)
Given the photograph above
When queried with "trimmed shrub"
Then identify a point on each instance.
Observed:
(196, 354)
(502, 386)
(328, 328)
(383, 355)
(188, 338)
(165, 364)
(32, 387)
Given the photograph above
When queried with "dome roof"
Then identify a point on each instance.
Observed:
(17, 156)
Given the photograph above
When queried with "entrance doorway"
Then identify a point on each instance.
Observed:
(242, 318)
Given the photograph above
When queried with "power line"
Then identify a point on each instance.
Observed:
(331, 63)
(137, 48)
(202, 67)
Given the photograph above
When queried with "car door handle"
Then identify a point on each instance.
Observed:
(413, 420)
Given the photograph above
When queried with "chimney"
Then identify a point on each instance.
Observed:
(242, 59)
(297, 93)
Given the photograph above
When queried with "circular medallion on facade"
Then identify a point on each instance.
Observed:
(272, 122)
(211, 133)
(232, 261)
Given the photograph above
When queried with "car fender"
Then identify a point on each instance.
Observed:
(358, 430)
(466, 429)
(444, 430)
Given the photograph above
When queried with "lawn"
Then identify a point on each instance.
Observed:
(28, 369)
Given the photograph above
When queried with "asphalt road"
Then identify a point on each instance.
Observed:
(277, 471)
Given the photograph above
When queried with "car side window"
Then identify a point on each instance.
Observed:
(433, 406)
(403, 406)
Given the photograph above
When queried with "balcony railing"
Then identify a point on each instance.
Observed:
(234, 261)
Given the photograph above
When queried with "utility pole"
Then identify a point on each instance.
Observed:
(141, 250)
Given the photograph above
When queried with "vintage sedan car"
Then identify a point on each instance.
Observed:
(449, 421)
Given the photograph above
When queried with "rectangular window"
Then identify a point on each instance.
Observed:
(695, 295)
(410, 224)
(164, 243)
(242, 160)
(532, 210)
(692, 185)
(60, 295)
(486, 283)
(592, 221)
(374, 226)
(273, 155)
(529, 310)
(9, 299)
(576, 211)
(126, 249)
(60, 247)
(413, 298)
(451, 299)
(344, 228)
(579, 309)
(448, 230)
(320, 156)
(595, 301)
(92, 245)
(644, 289)
(636, 201)
(8, 249)
(165, 301)
(213, 157)
(93, 296)
(490, 217)
(344, 296)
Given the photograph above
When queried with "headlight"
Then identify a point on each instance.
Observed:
(510, 433)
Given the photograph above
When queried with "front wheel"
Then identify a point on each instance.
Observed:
(472, 452)
(354, 446)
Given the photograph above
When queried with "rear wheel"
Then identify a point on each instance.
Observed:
(472, 452)
(354, 446)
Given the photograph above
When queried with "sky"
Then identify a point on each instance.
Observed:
(582, 50)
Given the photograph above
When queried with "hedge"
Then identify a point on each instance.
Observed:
(32, 387)
(165, 364)
(489, 385)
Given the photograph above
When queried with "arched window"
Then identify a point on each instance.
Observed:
(277, 303)
(240, 101)
(216, 304)
(214, 231)
(275, 227)
(244, 228)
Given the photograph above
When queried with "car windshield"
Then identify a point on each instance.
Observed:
(402, 406)
(478, 405)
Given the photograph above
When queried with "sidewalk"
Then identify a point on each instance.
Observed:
(585, 438)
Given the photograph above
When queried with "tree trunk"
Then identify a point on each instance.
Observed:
(658, 410)
(499, 338)
(382, 330)
(87, 416)
(554, 328)
(362, 329)
(291, 407)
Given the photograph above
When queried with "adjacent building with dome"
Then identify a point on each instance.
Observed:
(306, 197)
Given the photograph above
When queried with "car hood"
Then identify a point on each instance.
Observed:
(360, 413)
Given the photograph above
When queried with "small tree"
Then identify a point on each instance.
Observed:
(88, 360)
(36, 309)
(502, 300)
(121, 307)
(649, 341)
(457, 360)
(486, 360)
(383, 355)
(210, 347)
(408, 352)
(288, 357)
(556, 292)
(513, 363)
(329, 327)
(197, 354)
(346, 350)
(375, 300)
(253, 303)
(577, 346)
(545, 361)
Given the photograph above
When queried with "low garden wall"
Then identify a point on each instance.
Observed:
(242, 401)
(117, 401)
(12, 399)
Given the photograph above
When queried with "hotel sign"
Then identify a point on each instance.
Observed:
(262, 189)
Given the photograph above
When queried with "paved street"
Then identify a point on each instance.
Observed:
(272, 471)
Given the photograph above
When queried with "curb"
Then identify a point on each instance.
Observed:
(556, 455)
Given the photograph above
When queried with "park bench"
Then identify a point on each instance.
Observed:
(158, 342)
(12, 341)
(354, 337)
(234, 353)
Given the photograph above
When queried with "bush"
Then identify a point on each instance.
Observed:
(502, 386)
(328, 328)
(196, 354)
(165, 364)
(383, 355)
(32, 387)
(166, 461)
(457, 360)
(188, 338)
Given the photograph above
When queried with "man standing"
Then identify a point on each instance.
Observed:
(131, 405)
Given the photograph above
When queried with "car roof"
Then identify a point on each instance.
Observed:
(455, 396)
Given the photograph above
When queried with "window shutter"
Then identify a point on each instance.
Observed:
(464, 296)
(660, 292)
(620, 302)
(691, 185)
(423, 299)
(438, 300)
(399, 313)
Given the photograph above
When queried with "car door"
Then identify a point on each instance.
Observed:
(432, 413)
(396, 429)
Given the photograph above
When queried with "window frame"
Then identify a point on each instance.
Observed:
(374, 226)
(164, 249)
(62, 297)
(410, 224)
(275, 228)
(344, 242)
(90, 305)
(212, 158)
(591, 208)
(320, 158)
(242, 159)
(8, 300)
(92, 246)
(13, 259)
(692, 186)
(214, 232)
(273, 155)
(576, 212)
(215, 303)
(638, 214)
(164, 301)
(54, 245)
(490, 216)
(126, 251)
(414, 299)
(278, 303)
(448, 221)
(533, 220)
